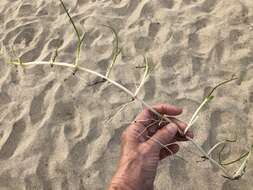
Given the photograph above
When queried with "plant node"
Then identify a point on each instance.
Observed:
(75, 71)
(55, 55)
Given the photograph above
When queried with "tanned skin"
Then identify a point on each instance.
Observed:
(141, 154)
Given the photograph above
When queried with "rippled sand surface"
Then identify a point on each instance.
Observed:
(53, 129)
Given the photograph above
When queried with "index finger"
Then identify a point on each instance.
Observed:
(167, 109)
(147, 117)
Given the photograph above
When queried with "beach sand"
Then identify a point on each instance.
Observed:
(53, 129)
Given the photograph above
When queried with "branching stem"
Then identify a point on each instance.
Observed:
(207, 99)
(130, 94)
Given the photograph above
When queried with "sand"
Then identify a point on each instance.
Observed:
(53, 133)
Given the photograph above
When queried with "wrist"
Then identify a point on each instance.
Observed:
(121, 184)
(132, 174)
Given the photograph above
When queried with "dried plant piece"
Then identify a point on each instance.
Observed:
(97, 81)
(119, 110)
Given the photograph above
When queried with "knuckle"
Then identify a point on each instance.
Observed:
(146, 149)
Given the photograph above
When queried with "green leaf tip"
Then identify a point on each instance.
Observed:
(221, 84)
(116, 50)
(116, 37)
(78, 34)
(205, 101)
(71, 20)
(209, 98)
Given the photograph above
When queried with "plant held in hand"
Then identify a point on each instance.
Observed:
(134, 95)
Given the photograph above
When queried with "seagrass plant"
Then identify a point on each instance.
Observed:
(206, 155)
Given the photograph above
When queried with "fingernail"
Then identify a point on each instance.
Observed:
(172, 128)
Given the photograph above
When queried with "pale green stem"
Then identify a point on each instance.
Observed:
(80, 68)
(215, 146)
(195, 115)
(112, 64)
(78, 49)
(80, 39)
(144, 78)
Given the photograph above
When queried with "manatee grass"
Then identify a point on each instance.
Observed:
(206, 100)
(116, 50)
(134, 95)
(79, 36)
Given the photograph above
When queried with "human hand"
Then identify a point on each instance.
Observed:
(144, 143)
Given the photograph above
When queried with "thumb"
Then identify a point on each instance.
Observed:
(164, 136)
